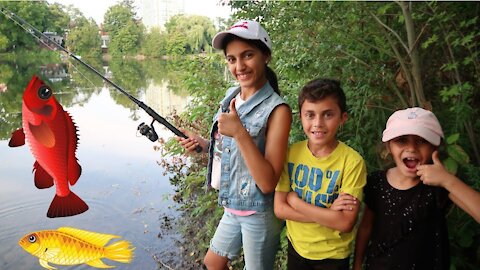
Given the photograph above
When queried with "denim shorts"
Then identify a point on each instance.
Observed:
(259, 234)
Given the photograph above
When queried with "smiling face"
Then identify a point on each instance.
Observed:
(247, 64)
(320, 121)
(408, 152)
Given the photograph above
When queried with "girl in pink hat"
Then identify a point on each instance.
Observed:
(404, 226)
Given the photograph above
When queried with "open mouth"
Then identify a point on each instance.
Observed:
(411, 163)
(319, 133)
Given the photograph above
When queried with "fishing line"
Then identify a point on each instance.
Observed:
(54, 49)
(51, 48)
(83, 75)
(148, 131)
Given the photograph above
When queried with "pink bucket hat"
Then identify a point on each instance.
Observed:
(413, 121)
(245, 29)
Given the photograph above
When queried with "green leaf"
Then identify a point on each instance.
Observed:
(457, 153)
(449, 66)
(430, 41)
(384, 9)
(467, 39)
(453, 138)
(468, 60)
(451, 165)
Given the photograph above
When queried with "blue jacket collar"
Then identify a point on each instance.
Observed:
(257, 98)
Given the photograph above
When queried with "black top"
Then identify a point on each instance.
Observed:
(409, 228)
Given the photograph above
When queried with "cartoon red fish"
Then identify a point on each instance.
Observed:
(52, 138)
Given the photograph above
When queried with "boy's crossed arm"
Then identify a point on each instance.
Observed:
(341, 215)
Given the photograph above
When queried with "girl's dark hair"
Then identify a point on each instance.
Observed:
(319, 89)
(270, 74)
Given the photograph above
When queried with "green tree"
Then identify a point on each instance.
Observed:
(175, 45)
(60, 20)
(117, 17)
(125, 31)
(127, 40)
(40, 14)
(154, 43)
(84, 40)
(193, 32)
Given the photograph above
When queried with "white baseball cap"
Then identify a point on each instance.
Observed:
(245, 29)
(413, 121)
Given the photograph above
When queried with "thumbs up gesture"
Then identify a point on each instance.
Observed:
(229, 123)
(433, 174)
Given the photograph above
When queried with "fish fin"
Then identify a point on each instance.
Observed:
(98, 264)
(121, 251)
(74, 169)
(17, 139)
(43, 134)
(69, 205)
(45, 264)
(74, 172)
(42, 178)
(98, 239)
(51, 253)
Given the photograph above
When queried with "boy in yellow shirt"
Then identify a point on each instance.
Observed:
(321, 184)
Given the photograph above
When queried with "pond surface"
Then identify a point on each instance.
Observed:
(126, 190)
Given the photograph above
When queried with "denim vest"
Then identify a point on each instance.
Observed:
(237, 186)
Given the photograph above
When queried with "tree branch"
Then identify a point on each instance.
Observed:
(391, 31)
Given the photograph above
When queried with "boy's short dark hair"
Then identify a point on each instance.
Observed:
(319, 89)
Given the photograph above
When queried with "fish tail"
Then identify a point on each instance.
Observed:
(121, 251)
(69, 205)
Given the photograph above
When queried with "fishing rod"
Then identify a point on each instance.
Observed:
(145, 130)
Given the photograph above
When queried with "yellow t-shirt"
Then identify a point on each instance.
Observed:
(319, 181)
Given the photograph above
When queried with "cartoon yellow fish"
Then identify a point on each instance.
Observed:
(70, 246)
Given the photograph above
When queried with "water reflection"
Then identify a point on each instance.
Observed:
(126, 190)
(161, 99)
(54, 72)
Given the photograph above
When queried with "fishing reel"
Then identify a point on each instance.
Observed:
(148, 131)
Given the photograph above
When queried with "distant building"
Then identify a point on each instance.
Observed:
(155, 13)
(53, 37)
(105, 39)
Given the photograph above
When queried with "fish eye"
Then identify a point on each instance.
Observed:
(32, 238)
(44, 92)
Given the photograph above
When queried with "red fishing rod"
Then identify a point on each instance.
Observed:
(148, 131)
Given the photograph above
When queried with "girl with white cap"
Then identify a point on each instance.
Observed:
(247, 147)
(403, 225)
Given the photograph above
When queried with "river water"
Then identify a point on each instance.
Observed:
(126, 190)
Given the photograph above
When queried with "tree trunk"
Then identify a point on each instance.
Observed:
(416, 69)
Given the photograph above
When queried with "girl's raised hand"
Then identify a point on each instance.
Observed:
(433, 174)
(229, 123)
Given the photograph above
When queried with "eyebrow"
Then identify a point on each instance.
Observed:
(242, 53)
(324, 111)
